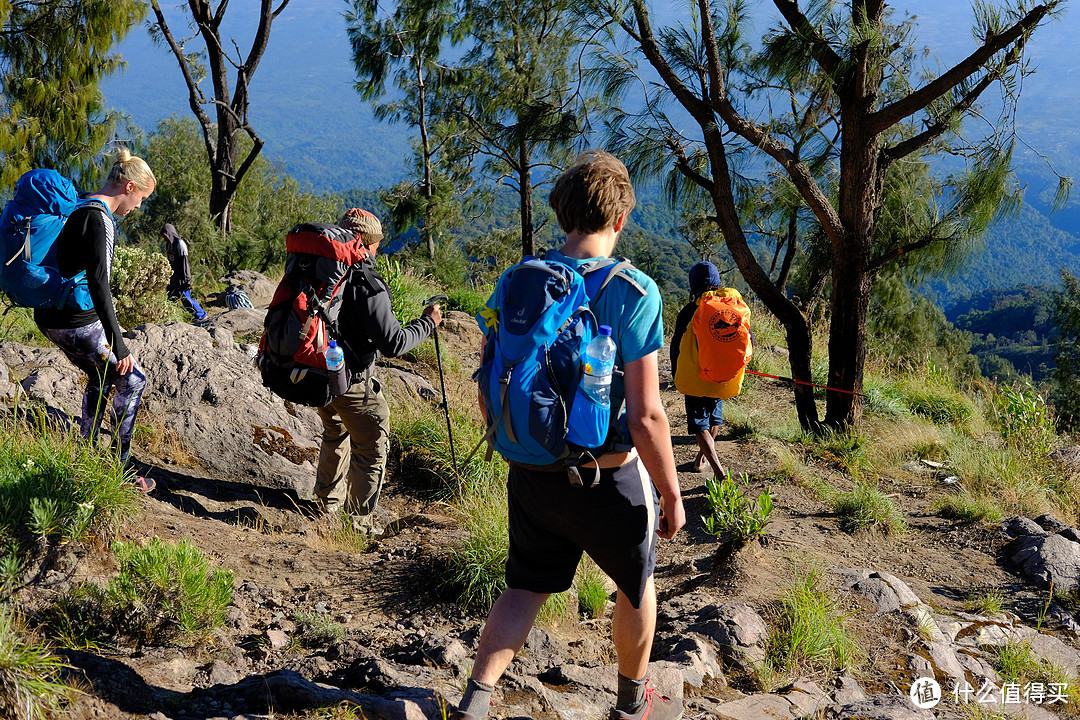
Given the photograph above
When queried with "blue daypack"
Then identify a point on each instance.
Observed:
(531, 368)
(30, 224)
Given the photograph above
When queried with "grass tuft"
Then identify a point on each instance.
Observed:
(808, 632)
(592, 590)
(30, 685)
(867, 507)
(967, 508)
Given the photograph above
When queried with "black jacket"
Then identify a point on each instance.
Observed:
(367, 326)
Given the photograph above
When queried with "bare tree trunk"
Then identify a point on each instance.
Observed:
(525, 200)
(425, 145)
(222, 138)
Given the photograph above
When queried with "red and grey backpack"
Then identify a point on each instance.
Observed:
(303, 316)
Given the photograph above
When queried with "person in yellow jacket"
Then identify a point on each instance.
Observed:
(710, 372)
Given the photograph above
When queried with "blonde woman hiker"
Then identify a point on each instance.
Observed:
(87, 331)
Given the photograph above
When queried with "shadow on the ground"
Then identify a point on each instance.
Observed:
(179, 489)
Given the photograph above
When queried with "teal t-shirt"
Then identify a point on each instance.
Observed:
(636, 320)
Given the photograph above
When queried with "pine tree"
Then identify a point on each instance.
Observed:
(53, 56)
(519, 107)
(408, 44)
(843, 77)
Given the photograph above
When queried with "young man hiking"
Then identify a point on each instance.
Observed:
(356, 425)
(617, 519)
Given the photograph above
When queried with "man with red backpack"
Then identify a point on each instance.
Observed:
(356, 424)
(709, 349)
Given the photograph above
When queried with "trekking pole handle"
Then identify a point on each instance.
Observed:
(435, 299)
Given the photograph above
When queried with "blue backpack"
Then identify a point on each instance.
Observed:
(531, 368)
(29, 227)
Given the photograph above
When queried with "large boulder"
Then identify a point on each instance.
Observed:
(204, 386)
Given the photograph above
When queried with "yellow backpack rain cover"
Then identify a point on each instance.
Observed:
(714, 351)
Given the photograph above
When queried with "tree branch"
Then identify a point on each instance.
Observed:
(917, 100)
(823, 53)
(195, 96)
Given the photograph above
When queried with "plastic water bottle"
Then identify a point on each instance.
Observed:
(590, 413)
(599, 364)
(335, 366)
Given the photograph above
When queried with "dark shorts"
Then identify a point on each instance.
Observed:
(552, 522)
(703, 413)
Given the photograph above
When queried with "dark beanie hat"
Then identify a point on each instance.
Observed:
(704, 276)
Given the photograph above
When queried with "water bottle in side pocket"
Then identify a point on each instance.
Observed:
(590, 413)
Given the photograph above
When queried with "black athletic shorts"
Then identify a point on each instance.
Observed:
(552, 522)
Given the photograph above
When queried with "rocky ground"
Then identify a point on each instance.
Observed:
(408, 646)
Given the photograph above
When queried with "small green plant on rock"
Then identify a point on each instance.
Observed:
(734, 515)
(1017, 663)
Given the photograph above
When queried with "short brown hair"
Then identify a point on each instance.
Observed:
(592, 193)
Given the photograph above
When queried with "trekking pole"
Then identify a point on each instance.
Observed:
(442, 380)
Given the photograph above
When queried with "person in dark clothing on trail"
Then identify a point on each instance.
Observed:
(704, 415)
(179, 288)
(91, 338)
(356, 425)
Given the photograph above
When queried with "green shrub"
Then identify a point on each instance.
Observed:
(468, 300)
(138, 283)
(30, 685)
(808, 632)
(867, 507)
(163, 593)
(408, 289)
(733, 514)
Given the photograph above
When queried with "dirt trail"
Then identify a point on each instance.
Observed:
(387, 594)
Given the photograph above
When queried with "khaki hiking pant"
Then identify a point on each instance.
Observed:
(355, 445)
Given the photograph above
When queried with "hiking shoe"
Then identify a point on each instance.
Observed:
(144, 483)
(368, 525)
(656, 707)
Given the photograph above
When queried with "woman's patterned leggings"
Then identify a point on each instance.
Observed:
(87, 348)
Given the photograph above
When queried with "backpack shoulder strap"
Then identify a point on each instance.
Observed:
(613, 267)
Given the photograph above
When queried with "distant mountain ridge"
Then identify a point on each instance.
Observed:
(314, 123)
